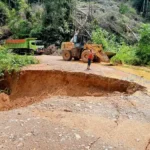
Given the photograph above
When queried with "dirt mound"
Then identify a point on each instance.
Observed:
(33, 86)
(52, 50)
(4, 101)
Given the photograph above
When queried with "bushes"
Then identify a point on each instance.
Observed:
(48, 20)
(144, 45)
(4, 14)
(126, 55)
(109, 41)
(21, 29)
(123, 8)
(126, 8)
(138, 54)
(98, 37)
(56, 21)
(26, 20)
(12, 62)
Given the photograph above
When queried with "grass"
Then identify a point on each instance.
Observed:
(12, 62)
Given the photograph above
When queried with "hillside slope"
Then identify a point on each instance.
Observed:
(114, 16)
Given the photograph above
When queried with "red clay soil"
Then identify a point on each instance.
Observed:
(4, 101)
(29, 87)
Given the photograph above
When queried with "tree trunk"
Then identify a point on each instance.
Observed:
(145, 8)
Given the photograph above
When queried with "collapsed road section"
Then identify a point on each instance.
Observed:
(28, 87)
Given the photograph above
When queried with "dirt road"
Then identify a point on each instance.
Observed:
(59, 105)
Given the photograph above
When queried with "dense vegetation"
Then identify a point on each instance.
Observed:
(47, 20)
(135, 54)
(51, 21)
(11, 62)
(22, 19)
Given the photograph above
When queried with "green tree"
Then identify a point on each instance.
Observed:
(142, 6)
(144, 45)
(98, 37)
(4, 14)
(56, 20)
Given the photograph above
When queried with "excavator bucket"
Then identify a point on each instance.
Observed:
(98, 50)
(103, 57)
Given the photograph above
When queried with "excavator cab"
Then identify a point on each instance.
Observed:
(79, 41)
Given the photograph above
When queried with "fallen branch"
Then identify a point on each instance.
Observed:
(132, 32)
(81, 26)
(81, 11)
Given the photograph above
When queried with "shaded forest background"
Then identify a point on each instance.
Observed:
(121, 26)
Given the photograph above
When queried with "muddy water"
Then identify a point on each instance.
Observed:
(139, 71)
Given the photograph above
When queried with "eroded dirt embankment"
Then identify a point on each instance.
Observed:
(28, 87)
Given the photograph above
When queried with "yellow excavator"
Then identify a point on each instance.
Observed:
(80, 50)
(79, 47)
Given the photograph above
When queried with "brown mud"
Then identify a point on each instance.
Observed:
(139, 71)
(30, 86)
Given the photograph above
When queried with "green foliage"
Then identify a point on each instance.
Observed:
(123, 8)
(109, 41)
(145, 31)
(4, 14)
(36, 32)
(21, 29)
(142, 6)
(136, 55)
(50, 21)
(98, 37)
(12, 62)
(126, 55)
(138, 4)
(56, 21)
(25, 20)
(46, 20)
(126, 9)
(144, 44)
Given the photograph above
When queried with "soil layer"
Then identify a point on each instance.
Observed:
(29, 86)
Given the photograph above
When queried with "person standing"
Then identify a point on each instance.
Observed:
(90, 56)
